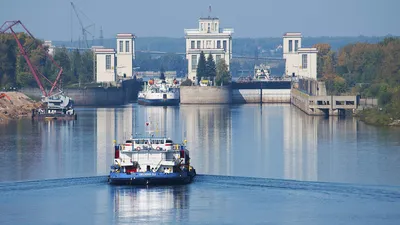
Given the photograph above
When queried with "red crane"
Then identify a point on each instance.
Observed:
(9, 26)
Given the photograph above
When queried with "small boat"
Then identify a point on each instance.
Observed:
(151, 161)
(57, 107)
(161, 94)
(262, 72)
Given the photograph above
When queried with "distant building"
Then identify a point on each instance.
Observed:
(209, 38)
(125, 55)
(50, 47)
(301, 62)
(105, 65)
(111, 65)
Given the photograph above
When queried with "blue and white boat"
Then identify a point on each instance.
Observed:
(151, 161)
(160, 94)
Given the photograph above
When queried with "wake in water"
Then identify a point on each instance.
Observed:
(386, 193)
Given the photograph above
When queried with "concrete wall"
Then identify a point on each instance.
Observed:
(255, 95)
(323, 105)
(97, 96)
(205, 95)
(87, 97)
(301, 100)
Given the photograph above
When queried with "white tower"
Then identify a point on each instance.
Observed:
(299, 61)
(125, 55)
(210, 38)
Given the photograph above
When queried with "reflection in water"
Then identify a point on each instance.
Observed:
(300, 145)
(153, 204)
(209, 131)
(270, 141)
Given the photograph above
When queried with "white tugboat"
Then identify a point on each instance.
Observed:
(262, 73)
(151, 161)
(160, 94)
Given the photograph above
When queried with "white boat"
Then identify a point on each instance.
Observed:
(262, 73)
(159, 94)
(151, 161)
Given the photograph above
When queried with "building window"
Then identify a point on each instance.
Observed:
(108, 62)
(127, 46)
(192, 45)
(218, 44)
(194, 62)
(208, 44)
(296, 45)
(121, 46)
(217, 58)
(202, 26)
(208, 29)
(290, 45)
(304, 61)
(198, 44)
(224, 45)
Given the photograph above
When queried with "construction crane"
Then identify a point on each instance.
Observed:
(84, 29)
(57, 100)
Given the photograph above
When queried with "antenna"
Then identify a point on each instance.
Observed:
(209, 11)
(101, 36)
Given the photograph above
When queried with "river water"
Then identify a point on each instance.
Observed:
(258, 164)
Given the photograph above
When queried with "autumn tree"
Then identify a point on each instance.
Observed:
(325, 60)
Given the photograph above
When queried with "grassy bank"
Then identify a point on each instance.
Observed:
(378, 117)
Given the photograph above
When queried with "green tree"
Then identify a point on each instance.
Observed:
(201, 67)
(86, 75)
(210, 68)
(223, 76)
(7, 61)
(77, 65)
(61, 56)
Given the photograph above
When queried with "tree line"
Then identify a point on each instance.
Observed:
(15, 73)
(370, 70)
(207, 70)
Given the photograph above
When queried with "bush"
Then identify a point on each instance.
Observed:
(385, 98)
(187, 82)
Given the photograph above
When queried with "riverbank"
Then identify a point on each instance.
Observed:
(377, 117)
(18, 106)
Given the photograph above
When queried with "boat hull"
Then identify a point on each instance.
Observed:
(158, 102)
(152, 178)
(54, 117)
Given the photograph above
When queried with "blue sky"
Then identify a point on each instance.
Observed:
(51, 19)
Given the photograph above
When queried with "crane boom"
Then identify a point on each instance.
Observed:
(82, 26)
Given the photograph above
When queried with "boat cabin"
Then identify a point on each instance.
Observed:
(151, 155)
(147, 144)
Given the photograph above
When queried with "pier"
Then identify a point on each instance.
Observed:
(310, 96)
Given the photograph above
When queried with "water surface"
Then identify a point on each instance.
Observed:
(259, 164)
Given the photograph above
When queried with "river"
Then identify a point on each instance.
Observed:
(258, 164)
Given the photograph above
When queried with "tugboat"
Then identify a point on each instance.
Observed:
(151, 161)
(57, 107)
(159, 94)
